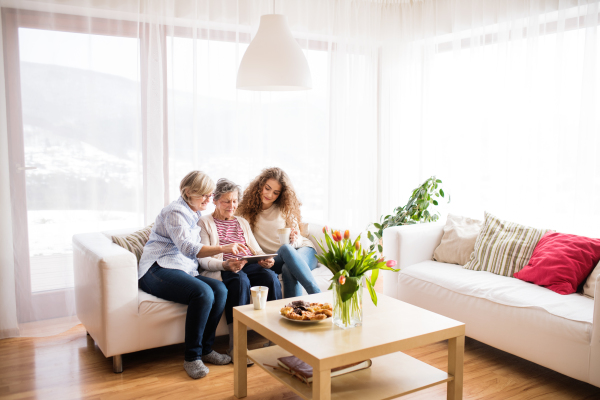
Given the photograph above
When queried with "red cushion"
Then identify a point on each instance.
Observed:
(561, 262)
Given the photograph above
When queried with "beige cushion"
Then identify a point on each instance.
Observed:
(590, 284)
(458, 241)
(135, 242)
(503, 247)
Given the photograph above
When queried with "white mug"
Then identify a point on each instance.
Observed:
(284, 235)
(259, 296)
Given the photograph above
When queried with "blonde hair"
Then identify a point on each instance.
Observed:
(197, 183)
(251, 204)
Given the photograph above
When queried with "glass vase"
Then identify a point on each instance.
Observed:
(349, 313)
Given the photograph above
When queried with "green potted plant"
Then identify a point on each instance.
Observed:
(416, 210)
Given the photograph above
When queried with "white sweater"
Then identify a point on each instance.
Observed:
(265, 230)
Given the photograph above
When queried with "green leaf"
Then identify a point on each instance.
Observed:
(372, 292)
(438, 180)
(379, 248)
(442, 192)
(348, 288)
(435, 202)
(370, 236)
(350, 265)
(377, 226)
(374, 276)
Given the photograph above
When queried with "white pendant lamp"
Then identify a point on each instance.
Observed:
(274, 60)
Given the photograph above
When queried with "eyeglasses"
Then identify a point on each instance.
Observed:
(203, 196)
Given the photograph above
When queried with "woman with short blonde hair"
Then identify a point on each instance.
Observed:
(168, 269)
(196, 183)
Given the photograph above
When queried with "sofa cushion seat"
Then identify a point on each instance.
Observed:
(148, 303)
(494, 307)
(503, 290)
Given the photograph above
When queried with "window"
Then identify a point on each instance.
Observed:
(234, 134)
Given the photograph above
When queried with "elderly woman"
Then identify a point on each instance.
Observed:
(223, 228)
(169, 269)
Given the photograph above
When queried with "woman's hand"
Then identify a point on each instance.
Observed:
(267, 263)
(234, 265)
(234, 248)
(293, 235)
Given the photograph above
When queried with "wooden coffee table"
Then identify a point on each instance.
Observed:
(387, 330)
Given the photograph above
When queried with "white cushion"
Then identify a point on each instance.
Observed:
(503, 290)
(458, 242)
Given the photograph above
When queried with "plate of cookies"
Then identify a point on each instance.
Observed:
(305, 312)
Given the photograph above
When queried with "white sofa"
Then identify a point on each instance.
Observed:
(119, 316)
(557, 331)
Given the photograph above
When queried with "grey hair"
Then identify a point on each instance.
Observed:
(225, 186)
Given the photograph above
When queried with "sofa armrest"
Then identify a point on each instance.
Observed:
(106, 291)
(595, 343)
(408, 245)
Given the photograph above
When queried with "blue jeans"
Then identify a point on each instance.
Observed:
(205, 298)
(295, 265)
(238, 286)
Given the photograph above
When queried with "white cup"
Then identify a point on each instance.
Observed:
(284, 235)
(259, 296)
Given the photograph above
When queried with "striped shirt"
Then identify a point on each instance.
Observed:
(230, 231)
(174, 241)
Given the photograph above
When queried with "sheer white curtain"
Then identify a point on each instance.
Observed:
(500, 100)
(114, 101)
(111, 103)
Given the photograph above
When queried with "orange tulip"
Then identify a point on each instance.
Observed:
(325, 229)
(347, 235)
(337, 236)
(357, 245)
(342, 279)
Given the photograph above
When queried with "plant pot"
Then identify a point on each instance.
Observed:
(349, 313)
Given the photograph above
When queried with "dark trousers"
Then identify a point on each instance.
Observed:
(238, 286)
(205, 298)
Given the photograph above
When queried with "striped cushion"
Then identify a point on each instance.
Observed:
(502, 247)
(135, 242)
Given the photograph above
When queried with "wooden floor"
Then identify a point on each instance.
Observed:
(70, 366)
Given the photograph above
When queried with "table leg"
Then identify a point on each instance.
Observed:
(321, 384)
(456, 351)
(240, 368)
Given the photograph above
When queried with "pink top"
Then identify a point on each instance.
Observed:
(230, 231)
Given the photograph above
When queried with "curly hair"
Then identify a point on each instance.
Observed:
(287, 201)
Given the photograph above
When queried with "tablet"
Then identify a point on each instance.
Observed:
(257, 258)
